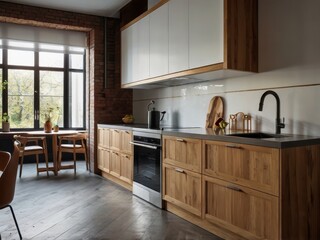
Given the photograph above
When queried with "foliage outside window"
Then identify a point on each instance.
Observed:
(42, 80)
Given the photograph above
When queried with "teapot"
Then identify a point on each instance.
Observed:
(154, 117)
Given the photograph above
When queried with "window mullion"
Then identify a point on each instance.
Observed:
(5, 77)
(36, 91)
(67, 118)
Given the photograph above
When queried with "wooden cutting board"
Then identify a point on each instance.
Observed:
(215, 111)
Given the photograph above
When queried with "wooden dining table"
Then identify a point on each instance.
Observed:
(54, 136)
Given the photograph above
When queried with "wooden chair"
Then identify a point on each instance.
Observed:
(73, 144)
(33, 146)
(8, 167)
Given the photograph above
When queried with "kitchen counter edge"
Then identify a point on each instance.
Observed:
(289, 140)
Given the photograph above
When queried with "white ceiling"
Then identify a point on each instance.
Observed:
(107, 8)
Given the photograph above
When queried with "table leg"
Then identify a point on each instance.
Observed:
(54, 154)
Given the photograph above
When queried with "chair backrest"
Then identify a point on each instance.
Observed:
(9, 175)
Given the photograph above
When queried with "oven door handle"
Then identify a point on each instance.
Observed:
(143, 145)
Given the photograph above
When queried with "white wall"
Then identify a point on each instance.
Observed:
(289, 63)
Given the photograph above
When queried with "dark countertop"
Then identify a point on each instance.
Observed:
(285, 141)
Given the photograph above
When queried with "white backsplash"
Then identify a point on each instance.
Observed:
(289, 64)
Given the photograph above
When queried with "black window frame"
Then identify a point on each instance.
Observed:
(36, 68)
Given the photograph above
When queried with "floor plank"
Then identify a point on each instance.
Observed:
(86, 206)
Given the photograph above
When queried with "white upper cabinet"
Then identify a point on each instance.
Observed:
(159, 41)
(135, 52)
(178, 36)
(205, 32)
(190, 37)
(143, 48)
(127, 55)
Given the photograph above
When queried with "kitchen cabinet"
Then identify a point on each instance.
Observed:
(178, 35)
(251, 166)
(115, 162)
(126, 137)
(247, 191)
(104, 159)
(115, 155)
(252, 214)
(189, 37)
(135, 52)
(205, 32)
(126, 168)
(159, 42)
(182, 152)
(183, 188)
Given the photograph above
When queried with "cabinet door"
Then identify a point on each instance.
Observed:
(252, 214)
(115, 139)
(104, 159)
(178, 36)
(126, 138)
(115, 164)
(182, 152)
(159, 41)
(141, 66)
(104, 137)
(206, 32)
(127, 55)
(126, 168)
(252, 166)
(182, 188)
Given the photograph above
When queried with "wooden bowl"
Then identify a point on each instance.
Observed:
(127, 120)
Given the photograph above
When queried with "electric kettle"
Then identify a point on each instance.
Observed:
(154, 117)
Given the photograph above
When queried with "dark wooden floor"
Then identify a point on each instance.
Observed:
(86, 206)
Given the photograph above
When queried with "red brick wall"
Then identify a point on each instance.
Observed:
(104, 105)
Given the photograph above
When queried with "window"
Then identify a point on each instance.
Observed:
(41, 79)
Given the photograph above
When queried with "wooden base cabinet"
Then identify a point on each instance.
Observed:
(183, 188)
(247, 192)
(104, 159)
(250, 213)
(115, 155)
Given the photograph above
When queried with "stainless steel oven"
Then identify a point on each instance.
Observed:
(147, 166)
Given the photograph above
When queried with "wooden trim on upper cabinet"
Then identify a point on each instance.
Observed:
(155, 7)
(213, 67)
(241, 35)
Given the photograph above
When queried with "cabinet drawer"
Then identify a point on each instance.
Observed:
(182, 188)
(104, 159)
(182, 152)
(250, 213)
(247, 165)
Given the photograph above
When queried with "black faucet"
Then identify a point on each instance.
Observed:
(279, 124)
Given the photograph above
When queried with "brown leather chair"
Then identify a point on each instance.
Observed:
(32, 146)
(73, 144)
(9, 166)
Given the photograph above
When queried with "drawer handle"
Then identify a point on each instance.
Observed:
(233, 146)
(179, 170)
(234, 188)
(180, 140)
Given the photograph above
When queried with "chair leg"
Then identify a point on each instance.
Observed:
(37, 160)
(47, 162)
(75, 161)
(87, 161)
(21, 164)
(15, 221)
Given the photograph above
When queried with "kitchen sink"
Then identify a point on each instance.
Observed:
(257, 135)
